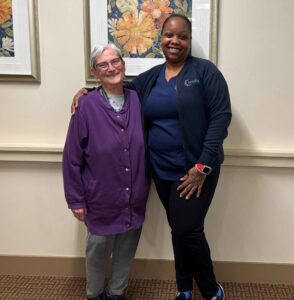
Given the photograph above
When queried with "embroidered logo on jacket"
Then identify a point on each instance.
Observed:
(188, 82)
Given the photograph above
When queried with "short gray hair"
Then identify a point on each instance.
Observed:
(98, 50)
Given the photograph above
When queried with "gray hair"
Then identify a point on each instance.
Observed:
(98, 50)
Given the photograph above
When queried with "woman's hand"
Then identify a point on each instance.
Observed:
(191, 183)
(76, 99)
(79, 213)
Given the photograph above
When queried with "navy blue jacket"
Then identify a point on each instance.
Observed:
(204, 109)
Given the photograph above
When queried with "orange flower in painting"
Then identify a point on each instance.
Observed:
(5, 10)
(135, 32)
(158, 9)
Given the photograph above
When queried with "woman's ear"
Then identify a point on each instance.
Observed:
(93, 72)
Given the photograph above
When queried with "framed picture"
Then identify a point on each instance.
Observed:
(134, 26)
(19, 43)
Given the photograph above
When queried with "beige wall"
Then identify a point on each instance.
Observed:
(251, 218)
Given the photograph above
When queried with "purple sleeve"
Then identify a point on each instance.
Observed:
(72, 162)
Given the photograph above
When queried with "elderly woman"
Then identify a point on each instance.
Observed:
(104, 178)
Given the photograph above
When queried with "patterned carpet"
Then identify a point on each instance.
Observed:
(57, 288)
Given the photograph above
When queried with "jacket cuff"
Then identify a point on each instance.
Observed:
(76, 205)
(206, 159)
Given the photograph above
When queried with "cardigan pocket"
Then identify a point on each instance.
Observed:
(90, 190)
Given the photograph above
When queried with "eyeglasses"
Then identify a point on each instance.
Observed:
(105, 65)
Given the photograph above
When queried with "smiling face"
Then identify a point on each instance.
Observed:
(109, 69)
(176, 41)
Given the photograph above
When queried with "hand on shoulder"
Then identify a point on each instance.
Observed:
(76, 99)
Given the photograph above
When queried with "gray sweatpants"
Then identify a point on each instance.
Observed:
(98, 250)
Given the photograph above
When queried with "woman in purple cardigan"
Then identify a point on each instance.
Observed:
(104, 178)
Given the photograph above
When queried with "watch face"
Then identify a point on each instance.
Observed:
(203, 168)
(206, 170)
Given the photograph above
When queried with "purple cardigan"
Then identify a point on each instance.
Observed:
(103, 164)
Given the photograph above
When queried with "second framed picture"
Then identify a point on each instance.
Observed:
(134, 26)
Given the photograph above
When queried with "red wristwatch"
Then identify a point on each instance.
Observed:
(203, 169)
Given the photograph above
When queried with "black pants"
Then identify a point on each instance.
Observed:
(186, 219)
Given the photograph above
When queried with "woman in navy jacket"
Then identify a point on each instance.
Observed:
(186, 113)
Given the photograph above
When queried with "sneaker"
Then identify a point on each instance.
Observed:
(114, 297)
(99, 297)
(220, 293)
(182, 296)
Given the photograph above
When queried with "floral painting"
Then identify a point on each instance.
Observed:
(134, 25)
(6, 29)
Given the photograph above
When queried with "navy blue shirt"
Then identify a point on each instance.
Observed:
(164, 136)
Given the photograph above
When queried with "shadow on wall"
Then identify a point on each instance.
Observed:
(80, 236)
(155, 242)
(240, 135)
(234, 203)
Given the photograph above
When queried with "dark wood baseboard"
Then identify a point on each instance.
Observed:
(147, 269)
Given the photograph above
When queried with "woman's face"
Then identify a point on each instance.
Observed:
(176, 40)
(109, 69)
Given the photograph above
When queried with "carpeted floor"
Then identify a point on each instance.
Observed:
(57, 288)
